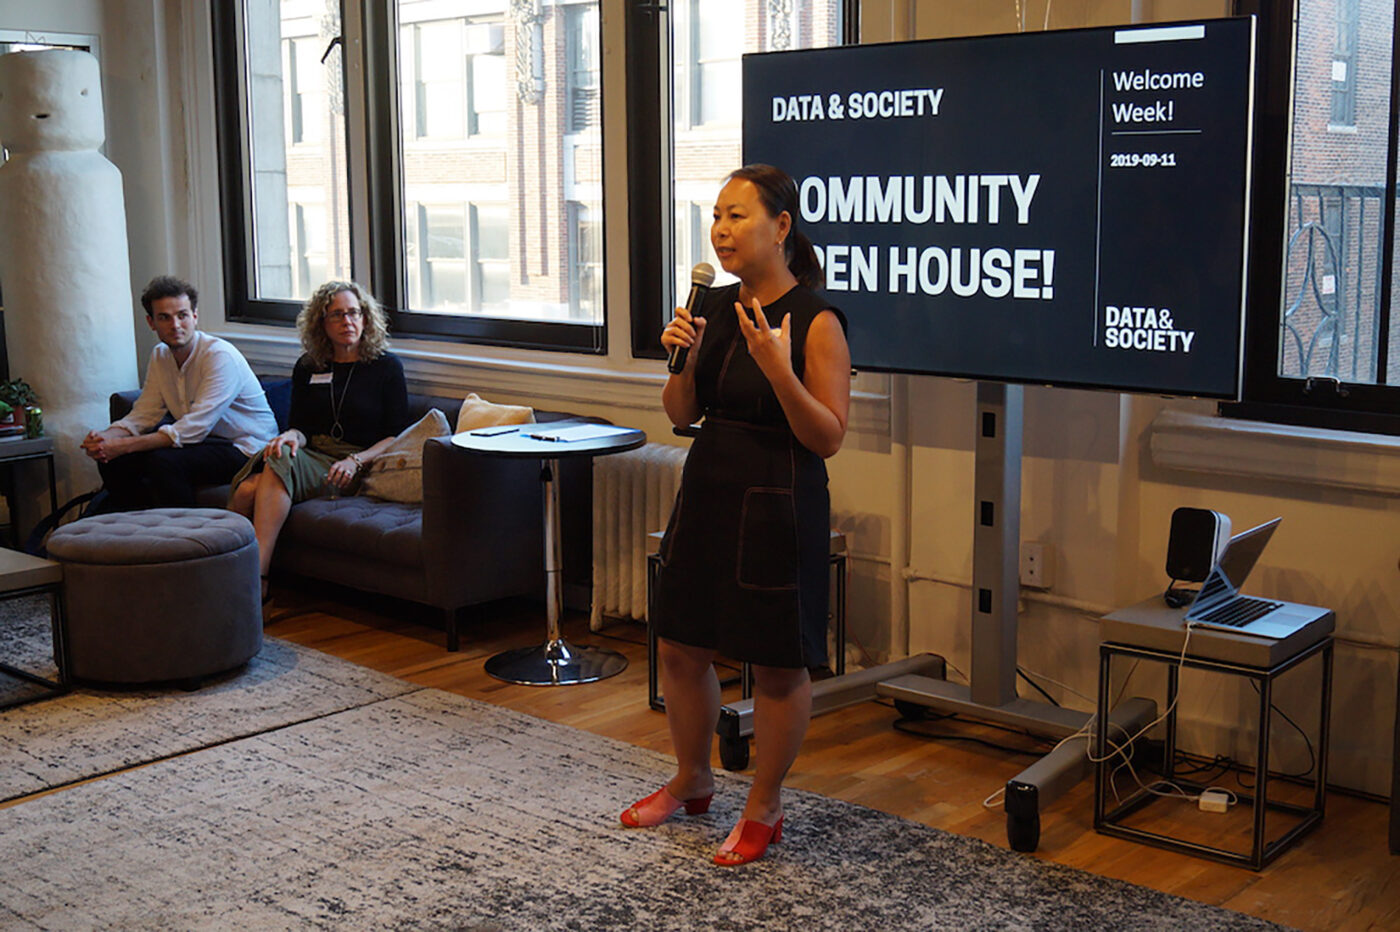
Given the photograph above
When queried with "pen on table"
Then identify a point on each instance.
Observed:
(493, 431)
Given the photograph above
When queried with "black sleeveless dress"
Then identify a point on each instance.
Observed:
(744, 561)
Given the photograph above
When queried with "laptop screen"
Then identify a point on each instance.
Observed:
(1240, 555)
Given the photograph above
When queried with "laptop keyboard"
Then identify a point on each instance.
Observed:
(1239, 612)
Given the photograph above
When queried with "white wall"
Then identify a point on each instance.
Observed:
(1094, 490)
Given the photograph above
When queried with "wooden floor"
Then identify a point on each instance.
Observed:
(1340, 877)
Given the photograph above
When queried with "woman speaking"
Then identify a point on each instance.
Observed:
(744, 570)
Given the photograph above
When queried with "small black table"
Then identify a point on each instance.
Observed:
(557, 663)
(19, 450)
(1395, 778)
(24, 575)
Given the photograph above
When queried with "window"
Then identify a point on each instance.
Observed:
(491, 257)
(459, 258)
(450, 169)
(712, 75)
(453, 75)
(437, 249)
(290, 143)
(584, 110)
(587, 257)
(1320, 348)
(1344, 63)
(309, 247)
(681, 160)
(307, 110)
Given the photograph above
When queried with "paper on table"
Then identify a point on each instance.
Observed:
(580, 432)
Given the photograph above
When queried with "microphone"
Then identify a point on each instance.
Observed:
(701, 278)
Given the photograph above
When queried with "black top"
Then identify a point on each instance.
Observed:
(744, 561)
(728, 383)
(371, 399)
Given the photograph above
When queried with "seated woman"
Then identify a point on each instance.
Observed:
(349, 401)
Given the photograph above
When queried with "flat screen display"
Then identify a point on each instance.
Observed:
(1067, 208)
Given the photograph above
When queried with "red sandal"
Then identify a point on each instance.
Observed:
(748, 841)
(663, 806)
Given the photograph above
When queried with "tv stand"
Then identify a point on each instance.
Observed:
(996, 586)
(991, 694)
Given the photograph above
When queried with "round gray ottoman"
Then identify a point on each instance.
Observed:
(162, 594)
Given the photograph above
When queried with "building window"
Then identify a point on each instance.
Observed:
(715, 78)
(1344, 63)
(459, 258)
(583, 89)
(307, 109)
(453, 75)
(309, 247)
(1321, 347)
(459, 182)
(491, 256)
(587, 259)
(436, 244)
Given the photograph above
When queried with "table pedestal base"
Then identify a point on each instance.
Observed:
(557, 663)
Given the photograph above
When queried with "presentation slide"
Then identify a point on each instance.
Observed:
(1065, 208)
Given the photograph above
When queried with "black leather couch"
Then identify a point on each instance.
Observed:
(477, 537)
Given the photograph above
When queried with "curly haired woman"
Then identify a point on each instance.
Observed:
(349, 401)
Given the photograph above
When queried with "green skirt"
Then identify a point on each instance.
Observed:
(305, 474)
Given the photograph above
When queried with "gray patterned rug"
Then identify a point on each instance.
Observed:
(432, 811)
(90, 732)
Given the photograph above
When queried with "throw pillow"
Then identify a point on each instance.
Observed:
(477, 413)
(397, 473)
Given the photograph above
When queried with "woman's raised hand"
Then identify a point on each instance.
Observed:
(684, 330)
(770, 347)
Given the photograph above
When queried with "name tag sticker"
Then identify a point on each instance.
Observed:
(322, 378)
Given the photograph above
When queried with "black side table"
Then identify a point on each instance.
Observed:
(1395, 778)
(557, 662)
(22, 575)
(1150, 631)
(20, 450)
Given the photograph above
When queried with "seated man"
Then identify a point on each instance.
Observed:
(220, 412)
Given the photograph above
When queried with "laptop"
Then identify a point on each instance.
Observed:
(1220, 605)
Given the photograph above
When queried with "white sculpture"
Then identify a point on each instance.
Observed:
(64, 270)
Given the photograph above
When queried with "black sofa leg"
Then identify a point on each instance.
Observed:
(451, 626)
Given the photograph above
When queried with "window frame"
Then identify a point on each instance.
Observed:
(650, 189)
(376, 202)
(1266, 395)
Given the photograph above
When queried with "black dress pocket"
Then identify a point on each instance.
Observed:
(768, 539)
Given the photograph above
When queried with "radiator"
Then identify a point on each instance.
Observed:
(632, 496)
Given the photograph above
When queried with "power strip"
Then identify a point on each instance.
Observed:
(1214, 801)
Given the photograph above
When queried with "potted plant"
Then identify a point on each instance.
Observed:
(16, 398)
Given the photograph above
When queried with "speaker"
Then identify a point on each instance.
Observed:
(1198, 536)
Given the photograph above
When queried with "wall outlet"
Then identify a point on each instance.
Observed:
(1036, 564)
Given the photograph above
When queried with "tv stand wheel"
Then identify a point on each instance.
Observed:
(734, 753)
(1023, 832)
(910, 710)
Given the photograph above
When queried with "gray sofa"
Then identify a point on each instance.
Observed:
(477, 537)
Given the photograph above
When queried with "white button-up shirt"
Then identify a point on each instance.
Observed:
(214, 394)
